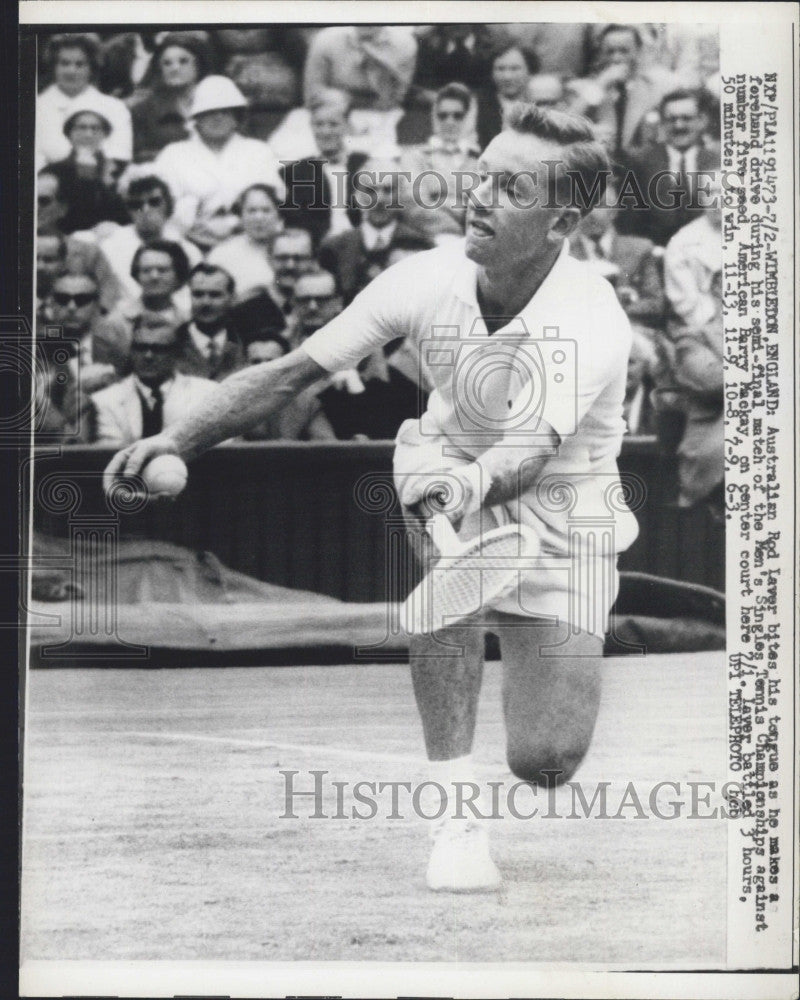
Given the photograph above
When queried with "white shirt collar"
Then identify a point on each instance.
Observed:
(370, 235)
(202, 341)
(146, 391)
(466, 283)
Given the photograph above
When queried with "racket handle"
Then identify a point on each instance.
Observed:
(443, 535)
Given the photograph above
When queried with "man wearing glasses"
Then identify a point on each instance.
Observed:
(672, 173)
(438, 202)
(150, 205)
(96, 353)
(292, 256)
(155, 396)
(98, 346)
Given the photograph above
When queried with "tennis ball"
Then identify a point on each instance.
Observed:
(165, 475)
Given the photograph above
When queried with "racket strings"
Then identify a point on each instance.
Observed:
(461, 586)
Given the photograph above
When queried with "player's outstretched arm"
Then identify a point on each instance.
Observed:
(236, 404)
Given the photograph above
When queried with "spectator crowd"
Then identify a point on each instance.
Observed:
(208, 199)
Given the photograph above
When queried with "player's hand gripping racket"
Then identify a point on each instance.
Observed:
(467, 576)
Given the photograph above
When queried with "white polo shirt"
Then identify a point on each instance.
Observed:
(563, 360)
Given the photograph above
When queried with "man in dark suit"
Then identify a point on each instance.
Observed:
(668, 173)
(625, 87)
(358, 256)
(210, 344)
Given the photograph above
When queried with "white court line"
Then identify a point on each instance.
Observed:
(321, 748)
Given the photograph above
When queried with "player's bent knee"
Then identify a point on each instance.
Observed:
(545, 770)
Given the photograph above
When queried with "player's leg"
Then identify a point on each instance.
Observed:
(446, 672)
(447, 688)
(447, 683)
(551, 697)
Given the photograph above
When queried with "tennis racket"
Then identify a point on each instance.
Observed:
(466, 577)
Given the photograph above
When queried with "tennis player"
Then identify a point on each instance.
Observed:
(523, 432)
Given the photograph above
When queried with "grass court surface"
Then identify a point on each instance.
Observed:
(153, 831)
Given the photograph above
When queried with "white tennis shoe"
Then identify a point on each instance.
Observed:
(460, 860)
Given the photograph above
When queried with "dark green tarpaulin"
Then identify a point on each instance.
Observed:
(158, 595)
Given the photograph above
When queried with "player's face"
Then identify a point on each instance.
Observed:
(72, 71)
(683, 123)
(507, 221)
(260, 219)
(211, 297)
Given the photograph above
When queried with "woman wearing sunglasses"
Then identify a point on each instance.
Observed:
(436, 202)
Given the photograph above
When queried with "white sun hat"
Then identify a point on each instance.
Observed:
(215, 93)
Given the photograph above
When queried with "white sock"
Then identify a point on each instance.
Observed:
(457, 769)
(447, 773)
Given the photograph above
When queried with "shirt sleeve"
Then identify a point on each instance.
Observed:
(378, 314)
